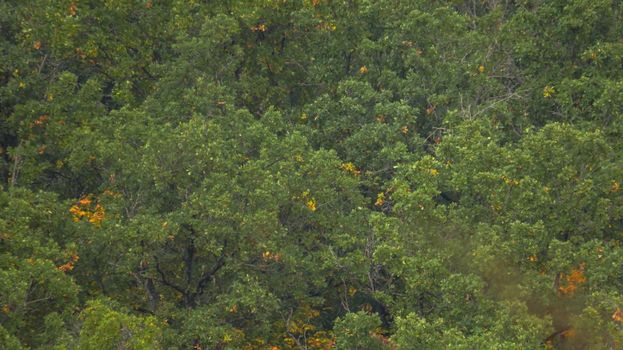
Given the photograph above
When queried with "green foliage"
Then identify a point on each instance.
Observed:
(311, 174)
(37, 295)
(359, 331)
(106, 328)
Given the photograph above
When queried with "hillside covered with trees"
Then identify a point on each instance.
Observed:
(311, 174)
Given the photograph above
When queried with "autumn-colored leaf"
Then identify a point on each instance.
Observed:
(617, 316)
(72, 9)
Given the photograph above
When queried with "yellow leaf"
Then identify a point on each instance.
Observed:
(259, 28)
(380, 199)
(615, 187)
(351, 168)
(311, 204)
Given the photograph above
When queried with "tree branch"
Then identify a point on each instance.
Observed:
(209, 275)
(163, 278)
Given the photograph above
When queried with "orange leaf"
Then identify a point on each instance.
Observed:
(617, 316)
(73, 8)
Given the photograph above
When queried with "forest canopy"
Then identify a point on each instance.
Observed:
(311, 174)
